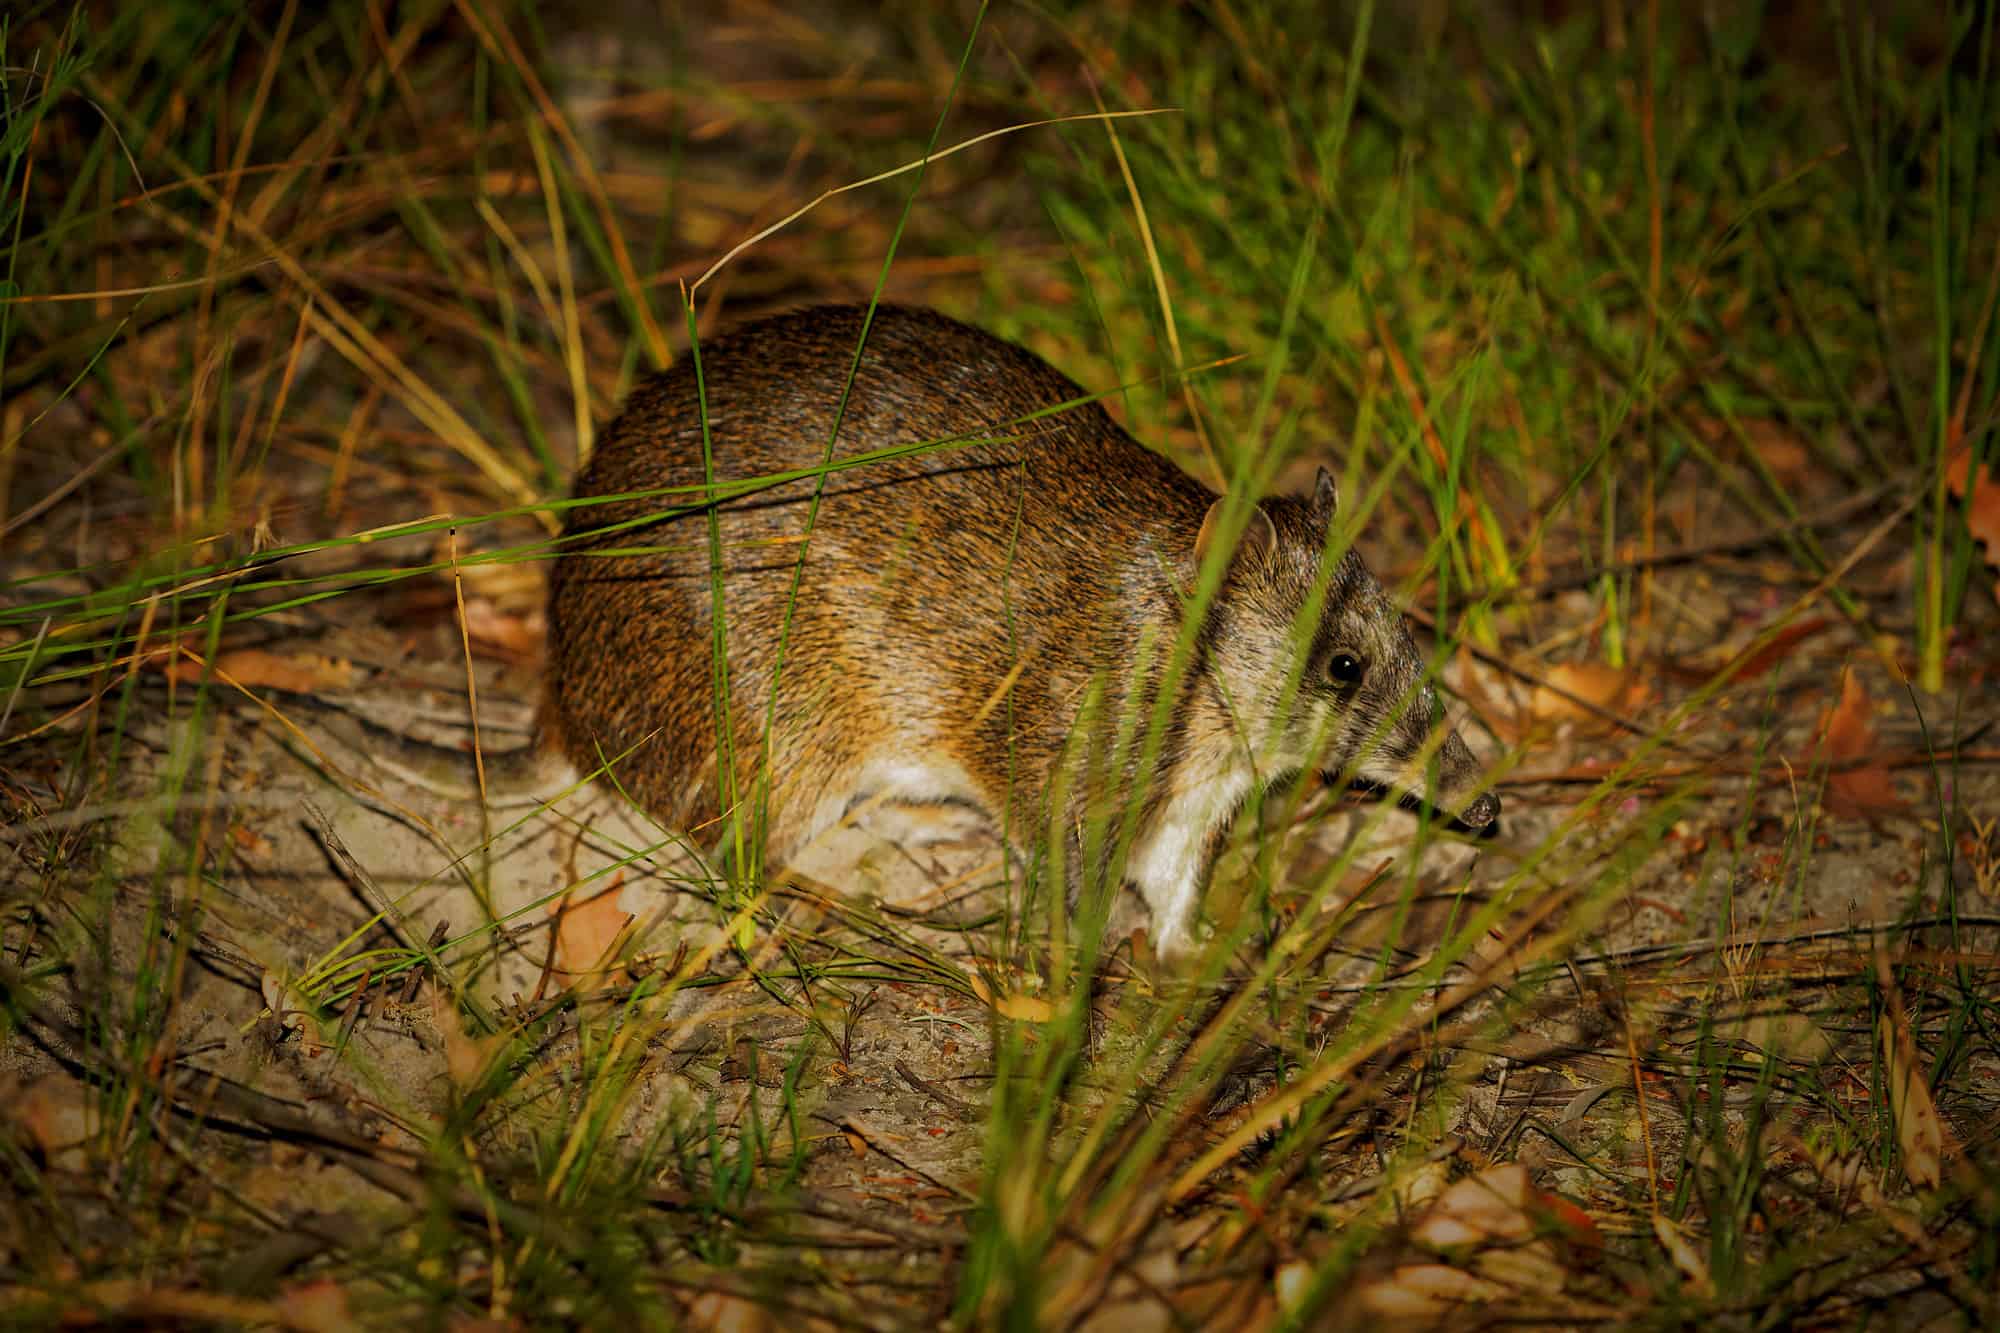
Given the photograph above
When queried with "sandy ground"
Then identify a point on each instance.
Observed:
(317, 844)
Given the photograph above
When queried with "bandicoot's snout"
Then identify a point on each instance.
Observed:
(1446, 784)
(1481, 812)
(1457, 774)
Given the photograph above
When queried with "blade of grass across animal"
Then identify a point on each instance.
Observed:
(1010, 836)
(762, 795)
(1055, 1061)
(1338, 536)
(699, 497)
(1050, 1074)
(722, 703)
(173, 586)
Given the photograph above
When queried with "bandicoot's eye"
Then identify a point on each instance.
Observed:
(1346, 669)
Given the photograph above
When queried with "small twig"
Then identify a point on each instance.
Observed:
(352, 1016)
(847, 1125)
(223, 1099)
(39, 825)
(259, 1266)
(549, 958)
(855, 1010)
(958, 1106)
(358, 878)
(1748, 768)
(1711, 943)
(439, 934)
(1499, 663)
(1446, 1149)
(1582, 576)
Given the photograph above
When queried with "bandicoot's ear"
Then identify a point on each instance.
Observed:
(1253, 550)
(1326, 495)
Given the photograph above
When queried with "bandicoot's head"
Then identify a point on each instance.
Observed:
(1361, 707)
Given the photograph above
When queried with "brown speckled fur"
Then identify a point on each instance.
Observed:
(1045, 548)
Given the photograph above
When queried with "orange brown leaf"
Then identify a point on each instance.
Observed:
(1982, 511)
(256, 668)
(1919, 1132)
(1570, 687)
(587, 931)
(1847, 734)
(1754, 662)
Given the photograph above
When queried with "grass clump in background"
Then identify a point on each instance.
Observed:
(1655, 354)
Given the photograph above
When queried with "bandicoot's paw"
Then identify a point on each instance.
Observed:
(1177, 946)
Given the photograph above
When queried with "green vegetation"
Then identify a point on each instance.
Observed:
(1644, 344)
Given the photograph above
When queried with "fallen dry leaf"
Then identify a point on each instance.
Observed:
(1610, 688)
(1982, 513)
(1244, 1303)
(1424, 1186)
(1776, 444)
(1024, 1008)
(319, 1306)
(1014, 1004)
(255, 669)
(1847, 732)
(55, 1116)
(1918, 1130)
(1753, 662)
(724, 1312)
(1421, 1291)
(1781, 450)
(465, 1055)
(1792, 1036)
(1500, 1230)
(1686, 1258)
(250, 844)
(517, 636)
(1479, 1210)
(588, 931)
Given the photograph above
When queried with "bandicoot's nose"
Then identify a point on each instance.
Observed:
(1481, 812)
(1457, 773)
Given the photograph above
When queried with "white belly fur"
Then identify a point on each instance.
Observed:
(1169, 861)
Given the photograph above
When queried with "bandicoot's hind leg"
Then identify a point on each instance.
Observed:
(921, 825)
(906, 790)
(912, 792)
